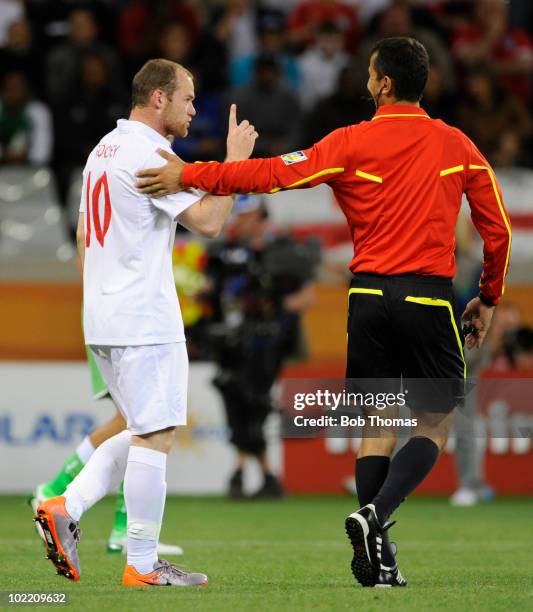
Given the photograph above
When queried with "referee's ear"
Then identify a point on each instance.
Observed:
(388, 87)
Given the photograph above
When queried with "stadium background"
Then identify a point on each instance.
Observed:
(65, 69)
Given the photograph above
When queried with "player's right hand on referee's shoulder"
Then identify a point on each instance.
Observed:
(241, 137)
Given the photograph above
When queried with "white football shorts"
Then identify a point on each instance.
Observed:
(148, 383)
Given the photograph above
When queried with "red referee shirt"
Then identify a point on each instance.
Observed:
(399, 180)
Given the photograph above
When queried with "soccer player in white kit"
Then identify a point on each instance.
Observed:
(132, 319)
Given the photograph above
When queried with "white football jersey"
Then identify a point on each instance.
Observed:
(129, 295)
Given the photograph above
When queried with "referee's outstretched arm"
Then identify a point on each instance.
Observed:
(398, 178)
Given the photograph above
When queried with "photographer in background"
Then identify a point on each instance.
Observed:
(262, 282)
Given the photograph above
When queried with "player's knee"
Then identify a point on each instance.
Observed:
(159, 440)
(120, 422)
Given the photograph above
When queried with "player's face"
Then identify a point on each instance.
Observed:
(179, 110)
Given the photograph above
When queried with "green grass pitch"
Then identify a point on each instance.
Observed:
(293, 555)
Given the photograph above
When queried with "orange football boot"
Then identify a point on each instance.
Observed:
(62, 536)
(163, 574)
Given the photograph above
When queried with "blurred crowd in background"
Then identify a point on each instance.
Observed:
(296, 68)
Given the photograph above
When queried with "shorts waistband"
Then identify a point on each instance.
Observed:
(406, 278)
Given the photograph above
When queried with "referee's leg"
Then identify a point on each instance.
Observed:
(370, 362)
(369, 358)
(427, 322)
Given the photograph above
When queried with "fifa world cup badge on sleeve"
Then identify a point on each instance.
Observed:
(293, 158)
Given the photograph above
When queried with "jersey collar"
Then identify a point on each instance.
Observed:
(400, 110)
(128, 126)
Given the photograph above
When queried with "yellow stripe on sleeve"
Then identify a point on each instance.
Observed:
(370, 177)
(452, 170)
(502, 213)
(308, 178)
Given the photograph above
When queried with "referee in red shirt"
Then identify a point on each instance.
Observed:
(399, 180)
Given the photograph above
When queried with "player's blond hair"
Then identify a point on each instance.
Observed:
(155, 74)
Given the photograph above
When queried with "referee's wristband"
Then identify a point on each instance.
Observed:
(485, 301)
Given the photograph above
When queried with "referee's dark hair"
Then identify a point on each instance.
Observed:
(406, 62)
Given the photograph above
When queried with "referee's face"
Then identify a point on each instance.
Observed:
(374, 84)
(179, 110)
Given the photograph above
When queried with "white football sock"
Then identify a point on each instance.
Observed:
(102, 473)
(145, 491)
(85, 450)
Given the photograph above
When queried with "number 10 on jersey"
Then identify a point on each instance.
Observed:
(92, 209)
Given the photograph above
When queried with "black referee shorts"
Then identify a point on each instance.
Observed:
(407, 327)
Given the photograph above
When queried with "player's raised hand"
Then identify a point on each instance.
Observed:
(241, 137)
(163, 180)
(232, 122)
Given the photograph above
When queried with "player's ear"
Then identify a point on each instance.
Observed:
(158, 98)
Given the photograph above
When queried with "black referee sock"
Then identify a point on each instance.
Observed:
(407, 470)
(370, 474)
